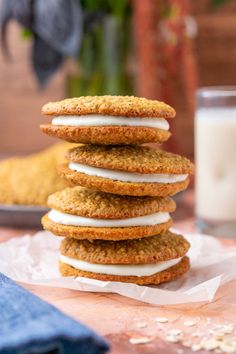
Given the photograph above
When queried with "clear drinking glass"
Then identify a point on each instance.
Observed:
(215, 151)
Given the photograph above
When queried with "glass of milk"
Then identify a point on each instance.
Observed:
(215, 152)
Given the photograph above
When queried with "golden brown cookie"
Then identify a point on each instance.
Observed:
(122, 188)
(164, 276)
(98, 210)
(106, 135)
(29, 180)
(159, 248)
(137, 159)
(127, 170)
(167, 247)
(104, 233)
(128, 106)
(92, 204)
(125, 120)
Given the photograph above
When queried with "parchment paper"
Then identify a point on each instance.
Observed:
(33, 259)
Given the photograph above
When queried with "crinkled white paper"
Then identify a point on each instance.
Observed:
(33, 259)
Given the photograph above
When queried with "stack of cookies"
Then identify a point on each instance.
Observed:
(115, 220)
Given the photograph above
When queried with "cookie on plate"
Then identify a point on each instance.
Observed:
(127, 170)
(29, 180)
(108, 120)
(83, 213)
(152, 260)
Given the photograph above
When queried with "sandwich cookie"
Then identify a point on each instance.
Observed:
(127, 170)
(108, 120)
(152, 260)
(82, 213)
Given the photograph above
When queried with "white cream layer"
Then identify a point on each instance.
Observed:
(96, 120)
(138, 270)
(75, 220)
(126, 176)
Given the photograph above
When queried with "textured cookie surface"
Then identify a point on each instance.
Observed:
(149, 250)
(128, 106)
(104, 233)
(167, 275)
(89, 203)
(29, 180)
(107, 135)
(138, 159)
(122, 188)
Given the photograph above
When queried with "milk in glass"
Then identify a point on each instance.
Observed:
(215, 153)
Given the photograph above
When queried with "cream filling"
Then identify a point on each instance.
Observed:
(97, 120)
(75, 220)
(126, 176)
(137, 270)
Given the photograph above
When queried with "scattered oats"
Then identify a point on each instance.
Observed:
(228, 346)
(173, 339)
(174, 335)
(196, 347)
(140, 340)
(190, 323)
(210, 344)
(141, 325)
(226, 329)
(175, 332)
(161, 319)
(220, 336)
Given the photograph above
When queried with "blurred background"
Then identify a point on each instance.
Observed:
(156, 49)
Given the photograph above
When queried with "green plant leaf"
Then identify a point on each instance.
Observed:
(166, 12)
(118, 8)
(26, 34)
(217, 3)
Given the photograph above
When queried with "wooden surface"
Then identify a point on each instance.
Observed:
(117, 317)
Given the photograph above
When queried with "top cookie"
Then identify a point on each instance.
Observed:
(127, 106)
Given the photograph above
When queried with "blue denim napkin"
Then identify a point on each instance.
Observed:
(30, 325)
